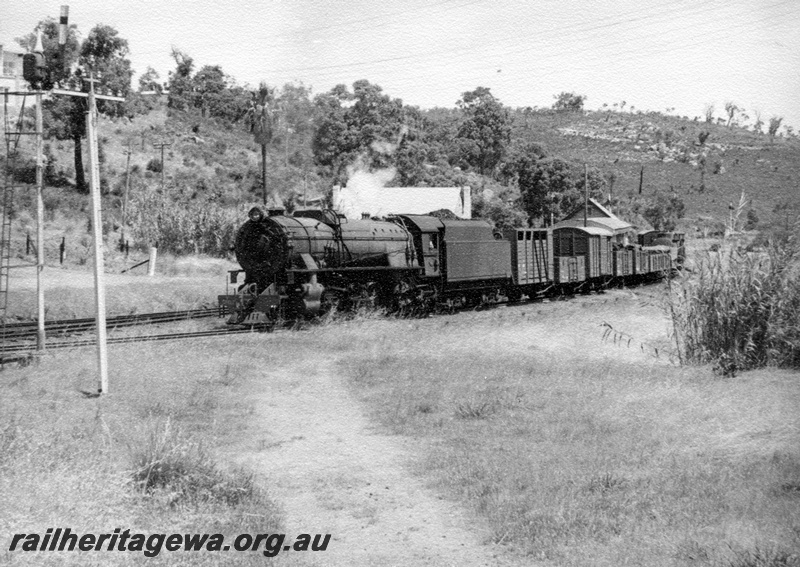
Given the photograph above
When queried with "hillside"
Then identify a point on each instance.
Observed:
(212, 173)
(668, 147)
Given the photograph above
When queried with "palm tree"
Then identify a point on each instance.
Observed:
(261, 117)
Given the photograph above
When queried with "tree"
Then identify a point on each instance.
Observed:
(364, 125)
(774, 124)
(569, 102)
(261, 119)
(180, 81)
(331, 144)
(102, 54)
(148, 81)
(759, 125)
(664, 212)
(540, 185)
(709, 112)
(207, 87)
(485, 130)
(731, 109)
(550, 187)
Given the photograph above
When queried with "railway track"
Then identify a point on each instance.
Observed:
(27, 331)
(23, 355)
(17, 337)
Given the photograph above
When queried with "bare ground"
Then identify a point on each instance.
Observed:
(335, 474)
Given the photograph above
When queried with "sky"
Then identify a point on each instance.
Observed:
(682, 55)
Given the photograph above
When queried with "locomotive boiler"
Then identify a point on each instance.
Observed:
(302, 261)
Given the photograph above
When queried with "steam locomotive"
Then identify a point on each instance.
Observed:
(317, 260)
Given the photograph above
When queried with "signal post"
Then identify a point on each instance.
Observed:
(35, 72)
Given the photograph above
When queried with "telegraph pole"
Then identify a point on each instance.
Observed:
(586, 193)
(97, 227)
(641, 180)
(40, 334)
(125, 198)
(162, 145)
(97, 230)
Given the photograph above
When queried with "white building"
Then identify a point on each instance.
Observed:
(355, 200)
(11, 73)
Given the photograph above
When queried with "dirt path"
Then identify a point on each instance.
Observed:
(334, 474)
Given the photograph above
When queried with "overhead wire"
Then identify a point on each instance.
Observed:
(610, 21)
(542, 51)
(545, 68)
(595, 50)
(346, 26)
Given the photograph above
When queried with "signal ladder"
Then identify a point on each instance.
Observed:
(15, 129)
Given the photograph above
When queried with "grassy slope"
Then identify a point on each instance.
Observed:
(582, 453)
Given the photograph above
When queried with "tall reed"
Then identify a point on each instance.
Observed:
(184, 228)
(740, 309)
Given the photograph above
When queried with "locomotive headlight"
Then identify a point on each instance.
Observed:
(255, 214)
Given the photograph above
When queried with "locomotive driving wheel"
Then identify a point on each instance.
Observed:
(334, 300)
(409, 298)
(367, 297)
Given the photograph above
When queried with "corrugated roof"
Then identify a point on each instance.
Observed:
(609, 220)
(593, 230)
(615, 224)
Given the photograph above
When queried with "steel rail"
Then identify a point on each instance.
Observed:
(26, 354)
(23, 330)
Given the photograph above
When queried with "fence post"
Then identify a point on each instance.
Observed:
(62, 250)
(151, 268)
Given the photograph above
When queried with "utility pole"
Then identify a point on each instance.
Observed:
(289, 132)
(264, 173)
(586, 195)
(162, 145)
(97, 229)
(641, 180)
(40, 333)
(125, 198)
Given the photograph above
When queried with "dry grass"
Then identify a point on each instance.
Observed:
(572, 450)
(145, 457)
(578, 453)
(74, 298)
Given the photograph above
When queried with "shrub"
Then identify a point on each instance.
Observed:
(740, 309)
(168, 462)
(752, 220)
(23, 170)
(155, 165)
